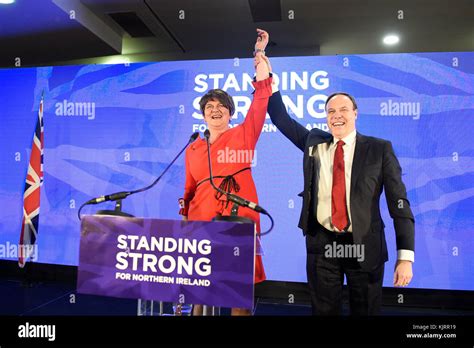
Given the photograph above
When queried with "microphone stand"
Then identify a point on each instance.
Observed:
(226, 218)
(233, 217)
(235, 209)
(116, 212)
(119, 196)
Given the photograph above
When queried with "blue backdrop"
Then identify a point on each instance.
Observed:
(110, 128)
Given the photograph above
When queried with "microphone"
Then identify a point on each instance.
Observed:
(193, 137)
(230, 196)
(121, 195)
(111, 197)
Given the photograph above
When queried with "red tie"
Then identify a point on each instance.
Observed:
(339, 207)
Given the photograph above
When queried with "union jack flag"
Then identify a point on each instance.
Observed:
(31, 196)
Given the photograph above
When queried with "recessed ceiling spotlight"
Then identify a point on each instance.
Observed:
(391, 39)
(6, 2)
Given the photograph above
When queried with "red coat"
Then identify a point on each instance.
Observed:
(231, 152)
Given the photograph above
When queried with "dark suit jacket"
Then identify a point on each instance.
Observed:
(375, 167)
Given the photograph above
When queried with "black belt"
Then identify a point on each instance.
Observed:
(229, 183)
(335, 234)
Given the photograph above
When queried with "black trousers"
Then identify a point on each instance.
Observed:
(326, 267)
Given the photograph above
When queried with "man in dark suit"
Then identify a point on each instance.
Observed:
(344, 176)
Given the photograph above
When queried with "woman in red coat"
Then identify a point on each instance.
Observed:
(232, 151)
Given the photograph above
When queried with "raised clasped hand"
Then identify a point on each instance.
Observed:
(262, 40)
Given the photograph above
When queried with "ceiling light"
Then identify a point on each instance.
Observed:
(7, 2)
(391, 39)
(117, 59)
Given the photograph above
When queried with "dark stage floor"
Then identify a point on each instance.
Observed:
(84, 319)
(55, 298)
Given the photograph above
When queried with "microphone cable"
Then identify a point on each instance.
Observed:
(233, 197)
(124, 194)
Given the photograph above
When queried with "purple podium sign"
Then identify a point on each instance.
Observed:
(195, 262)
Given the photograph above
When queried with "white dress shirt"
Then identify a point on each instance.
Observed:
(326, 157)
(324, 210)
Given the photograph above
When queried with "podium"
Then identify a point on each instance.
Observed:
(191, 262)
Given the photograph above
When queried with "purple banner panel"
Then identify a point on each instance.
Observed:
(195, 262)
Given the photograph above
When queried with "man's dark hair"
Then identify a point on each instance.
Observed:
(354, 104)
(218, 94)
